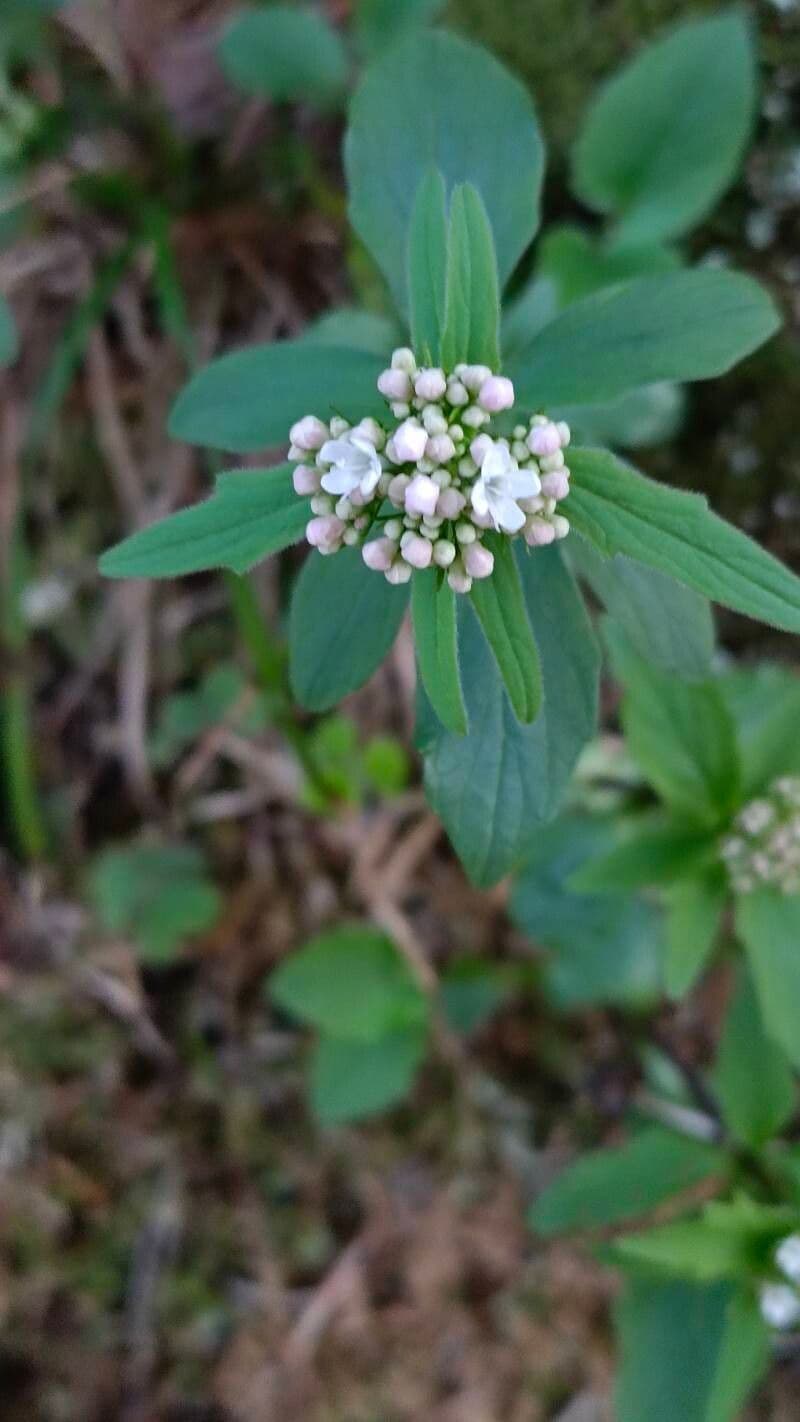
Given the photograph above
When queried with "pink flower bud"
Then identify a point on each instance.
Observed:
(325, 532)
(457, 393)
(474, 376)
(478, 561)
(305, 480)
(544, 440)
(416, 551)
(440, 449)
(398, 574)
(480, 448)
(555, 486)
(459, 581)
(379, 555)
(481, 520)
(538, 533)
(410, 440)
(430, 384)
(450, 503)
(395, 385)
(397, 489)
(422, 495)
(309, 433)
(403, 359)
(496, 394)
(371, 430)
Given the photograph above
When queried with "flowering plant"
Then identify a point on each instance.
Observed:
(413, 465)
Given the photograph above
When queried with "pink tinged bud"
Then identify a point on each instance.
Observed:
(457, 393)
(478, 561)
(480, 448)
(422, 495)
(371, 430)
(496, 394)
(395, 385)
(459, 581)
(560, 525)
(564, 433)
(379, 555)
(309, 433)
(440, 449)
(544, 440)
(410, 440)
(538, 533)
(305, 480)
(555, 486)
(398, 574)
(403, 359)
(450, 503)
(482, 520)
(416, 551)
(325, 532)
(397, 489)
(430, 384)
(474, 376)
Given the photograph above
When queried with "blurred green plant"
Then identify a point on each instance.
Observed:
(160, 894)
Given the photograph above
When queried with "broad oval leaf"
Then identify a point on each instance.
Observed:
(349, 326)
(433, 605)
(350, 983)
(579, 264)
(379, 23)
(665, 136)
(494, 786)
(427, 267)
(501, 610)
(620, 511)
(285, 52)
(352, 1080)
(250, 399)
(343, 621)
(690, 325)
(250, 515)
(437, 100)
(472, 318)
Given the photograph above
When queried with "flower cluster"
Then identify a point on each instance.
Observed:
(780, 1302)
(425, 492)
(763, 851)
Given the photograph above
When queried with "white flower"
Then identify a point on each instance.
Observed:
(355, 464)
(787, 1257)
(500, 485)
(780, 1306)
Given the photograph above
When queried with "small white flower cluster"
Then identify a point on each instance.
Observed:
(431, 487)
(780, 1302)
(763, 851)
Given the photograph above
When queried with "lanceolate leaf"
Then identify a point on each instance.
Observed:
(250, 515)
(694, 912)
(343, 622)
(768, 924)
(620, 511)
(652, 852)
(680, 326)
(427, 267)
(502, 613)
(496, 785)
(436, 100)
(472, 315)
(285, 52)
(250, 399)
(753, 1078)
(664, 137)
(435, 638)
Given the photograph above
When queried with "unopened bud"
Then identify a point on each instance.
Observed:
(444, 553)
(309, 433)
(305, 480)
(422, 495)
(496, 394)
(395, 385)
(416, 550)
(398, 574)
(430, 384)
(403, 359)
(379, 555)
(409, 442)
(478, 561)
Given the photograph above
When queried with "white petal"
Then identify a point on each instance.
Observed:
(479, 498)
(509, 515)
(370, 481)
(523, 484)
(496, 462)
(336, 451)
(339, 480)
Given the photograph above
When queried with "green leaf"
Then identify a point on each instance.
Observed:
(610, 1186)
(350, 983)
(359, 330)
(500, 605)
(694, 914)
(8, 335)
(438, 101)
(495, 786)
(578, 264)
(472, 313)
(637, 419)
(343, 622)
(653, 851)
(766, 726)
(433, 604)
(620, 511)
(379, 23)
(473, 990)
(604, 948)
(665, 136)
(732, 1239)
(688, 325)
(160, 894)
(222, 695)
(681, 735)
(753, 1079)
(768, 924)
(249, 516)
(250, 399)
(668, 624)
(351, 1080)
(427, 266)
(285, 52)
(687, 1352)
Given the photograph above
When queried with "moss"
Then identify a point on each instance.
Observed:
(561, 48)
